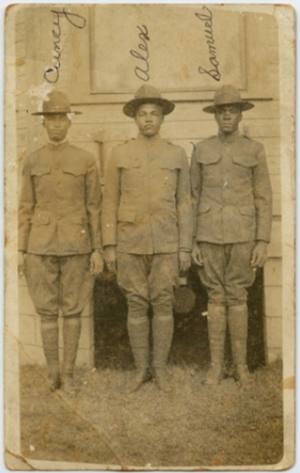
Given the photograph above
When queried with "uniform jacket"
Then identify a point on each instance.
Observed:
(59, 212)
(231, 190)
(147, 203)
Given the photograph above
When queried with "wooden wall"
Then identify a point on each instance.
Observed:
(102, 121)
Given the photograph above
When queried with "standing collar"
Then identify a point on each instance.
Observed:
(152, 139)
(229, 138)
(59, 145)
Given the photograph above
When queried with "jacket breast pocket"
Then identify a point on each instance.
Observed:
(204, 208)
(126, 215)
(247, 210)
(131, 175)
(75, 171)
(245, 161)
(40, 171)
(40, 219)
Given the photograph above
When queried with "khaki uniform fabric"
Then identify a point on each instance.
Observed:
(59, 226)
(147, 204)
(59, 210)
(232, 205)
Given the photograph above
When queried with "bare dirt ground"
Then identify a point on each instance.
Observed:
(194, 425)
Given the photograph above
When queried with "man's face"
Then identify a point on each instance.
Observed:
(57, 126)
(228, 118)
(149, 118)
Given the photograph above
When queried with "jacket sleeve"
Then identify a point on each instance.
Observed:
(111, 200)
(184, 206)
(93, 203)
(26, 207)
(262, 197)
(196, 186)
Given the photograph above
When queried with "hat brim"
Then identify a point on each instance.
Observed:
(57, 113)
(244, 106)
(131, 107)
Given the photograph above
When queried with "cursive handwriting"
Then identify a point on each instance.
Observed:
(212, 50)
(52, 73)
(143, 71)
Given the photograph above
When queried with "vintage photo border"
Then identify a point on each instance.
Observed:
(287, 69)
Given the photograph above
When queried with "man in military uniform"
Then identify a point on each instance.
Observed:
(59, 236)
(147, 230)
(232, 207)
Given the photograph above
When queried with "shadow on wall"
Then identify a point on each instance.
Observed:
(190, 341)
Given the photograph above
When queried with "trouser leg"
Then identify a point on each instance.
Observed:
(50, 337)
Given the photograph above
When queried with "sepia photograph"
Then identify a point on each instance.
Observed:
(149, 236)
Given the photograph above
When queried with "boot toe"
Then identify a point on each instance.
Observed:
(163, 381)
(214, 375)
(137, 380)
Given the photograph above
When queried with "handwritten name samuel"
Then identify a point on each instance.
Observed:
(212, 50)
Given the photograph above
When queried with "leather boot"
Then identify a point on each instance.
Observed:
(50, 334)
(138, 331)
(162, 333)
(238, 328)
(216, 322)
(71, 335)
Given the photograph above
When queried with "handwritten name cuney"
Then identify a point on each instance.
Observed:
(51, 74)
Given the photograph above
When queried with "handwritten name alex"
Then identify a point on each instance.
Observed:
(52, 73)
(142, 69)
(207, 19)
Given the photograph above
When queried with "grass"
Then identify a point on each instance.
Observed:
(193, 426)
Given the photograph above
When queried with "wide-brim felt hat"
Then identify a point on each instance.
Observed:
(147, 94)
(57, 102)
(228, 95)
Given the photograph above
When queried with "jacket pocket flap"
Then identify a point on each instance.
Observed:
(246, 161)
(40, 219)
(208, 158)
(247, 210)
(39, 171)
(76, 170)
(78, 219)
(204, 207)
(171, 163)
(129, 163)
(126, 215)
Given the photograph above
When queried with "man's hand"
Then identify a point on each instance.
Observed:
(259, 255)
(96, 263)
(184, 260)
(110, 257)
(21, 263)
(196, 254)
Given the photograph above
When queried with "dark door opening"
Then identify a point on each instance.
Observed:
(190, 341)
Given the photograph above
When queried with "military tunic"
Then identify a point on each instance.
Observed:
(59, 226)
(232, 206)
(147, 212)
